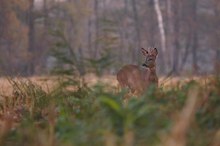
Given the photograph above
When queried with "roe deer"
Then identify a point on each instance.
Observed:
(136, 78)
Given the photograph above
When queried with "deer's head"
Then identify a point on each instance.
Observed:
(150, 55)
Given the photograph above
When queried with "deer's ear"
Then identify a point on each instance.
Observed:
(144, 52)
(155, 51)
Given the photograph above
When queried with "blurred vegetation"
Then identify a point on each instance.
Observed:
(98, 115)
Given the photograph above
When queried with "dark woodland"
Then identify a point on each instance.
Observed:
(33, 33)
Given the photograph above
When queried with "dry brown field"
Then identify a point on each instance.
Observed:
(47, 83)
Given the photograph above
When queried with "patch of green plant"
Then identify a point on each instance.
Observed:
(90, 115)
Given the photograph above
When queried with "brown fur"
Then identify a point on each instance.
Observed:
(136, 78)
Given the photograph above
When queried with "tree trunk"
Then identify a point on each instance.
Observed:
(176, 50)
(162, 35)
(160, 25)
(137, 38)
(81, 64)
(186, 53)
(126, 11)
(189, 30)
(216, 37)
(195, 38)
(124, 30)
(126, 7)
(45, 10)
(90, 38)
(31, 38)
(169, 39)
(96, 8)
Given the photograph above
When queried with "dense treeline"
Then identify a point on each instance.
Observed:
(35, 35)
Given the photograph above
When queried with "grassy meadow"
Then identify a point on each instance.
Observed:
(91, 111)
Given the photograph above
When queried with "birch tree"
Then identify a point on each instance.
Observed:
(162, 32)
(169, 32)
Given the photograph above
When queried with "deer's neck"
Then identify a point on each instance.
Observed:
(149, 76)
(153, 70)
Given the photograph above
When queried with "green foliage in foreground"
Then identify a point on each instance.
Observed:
(98, 116)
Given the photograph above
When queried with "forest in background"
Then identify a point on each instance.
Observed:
(102, 35)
